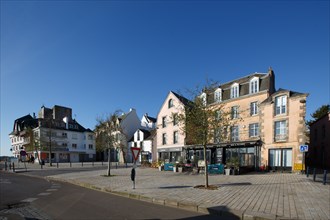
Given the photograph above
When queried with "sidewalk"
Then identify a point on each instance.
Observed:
(253, 196)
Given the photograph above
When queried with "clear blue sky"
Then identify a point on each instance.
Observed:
(99, 56)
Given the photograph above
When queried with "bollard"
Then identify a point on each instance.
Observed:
(6, 166)
(102, 162)
(93, 163)
(307, 172)
(314, 174)
(324, 177)
(116, 165)
(13, 167)
(9, 166)
(82, 164)
(70, 164)
(57, 164)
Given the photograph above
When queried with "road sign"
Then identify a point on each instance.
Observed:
(135, 152)
(303, 148)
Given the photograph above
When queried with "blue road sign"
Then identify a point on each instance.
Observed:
(303, 148)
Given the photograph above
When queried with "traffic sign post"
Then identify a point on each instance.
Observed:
(303, 149)
(135, 153)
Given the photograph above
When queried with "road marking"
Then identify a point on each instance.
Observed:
(51, 190)
(6, 181)
(29, 200)
(44, 194)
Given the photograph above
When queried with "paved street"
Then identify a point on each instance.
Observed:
(267, 195)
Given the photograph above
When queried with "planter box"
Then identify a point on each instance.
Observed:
(228, 171)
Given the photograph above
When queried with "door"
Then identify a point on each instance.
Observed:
(280, 159)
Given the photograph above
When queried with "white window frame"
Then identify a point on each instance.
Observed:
(218, 95)
(203, 97)
(280, 130)
(254, 85)
(254, 130)
(234, 91)
(254, 110)
(164, 139)
(234, 112)
(175, 137)
(234, 133)
(280, 105)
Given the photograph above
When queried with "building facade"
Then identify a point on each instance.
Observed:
(170, 138)
(264, 130)
(319, 150)
(53, 132)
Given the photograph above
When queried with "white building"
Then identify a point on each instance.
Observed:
(170, 138)
(144, 139)
(55, 132)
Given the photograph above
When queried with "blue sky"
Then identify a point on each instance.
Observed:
(99, 56)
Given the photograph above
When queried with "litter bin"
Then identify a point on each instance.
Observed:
(42, 162)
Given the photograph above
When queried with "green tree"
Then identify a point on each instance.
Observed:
(203, 124)
(106, 135)
(319, 113)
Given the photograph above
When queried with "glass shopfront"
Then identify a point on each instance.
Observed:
(280, 159)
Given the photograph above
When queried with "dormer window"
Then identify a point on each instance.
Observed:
(203, 98)
(254, 85)
(170, 103)
(217, 95)
(234, 91)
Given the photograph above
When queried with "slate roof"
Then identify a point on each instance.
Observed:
(184, 100)
(279, 91)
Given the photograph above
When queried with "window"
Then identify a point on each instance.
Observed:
(138, 135)
(203, 98)
(254, 85)
(217, 95)
(217, 135)
(234, 133)
(64, 135)
(254, 130)
(74, 136)
(253, 108)
(90, 146)
(280, 105)
(164, 122)
(280, 131)
(234, 112)
(170, 103)
(90, 137)
(234, 91)
(74, 145)
(164, 138)
(217, 115)
(175, 137)
(64, 144)
(175, 119)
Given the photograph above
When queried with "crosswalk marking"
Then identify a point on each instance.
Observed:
(29, 200)
(44, 194)
(51, 190)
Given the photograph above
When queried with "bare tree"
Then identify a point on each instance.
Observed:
(107, 133)
(203, 124)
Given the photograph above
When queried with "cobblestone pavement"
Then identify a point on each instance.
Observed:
(266, 196)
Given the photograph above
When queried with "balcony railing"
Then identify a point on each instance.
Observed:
(281, 137)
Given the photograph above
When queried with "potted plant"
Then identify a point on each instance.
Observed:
(160, 165)
(233, 165)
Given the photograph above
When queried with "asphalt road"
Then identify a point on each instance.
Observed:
(39, 199)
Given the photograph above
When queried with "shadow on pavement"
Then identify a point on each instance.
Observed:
(218, 212)
(235, 184)
(173, 187)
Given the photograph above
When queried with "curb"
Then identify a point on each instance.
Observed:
(190, 206)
